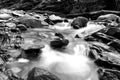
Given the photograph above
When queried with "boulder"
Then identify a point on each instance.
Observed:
(41, 74)
(58, 44)
(109, 18)
(79, 22)
(31, 23)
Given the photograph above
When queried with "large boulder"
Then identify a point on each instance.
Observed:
(79, 22)
(41, 74)
(31, 23)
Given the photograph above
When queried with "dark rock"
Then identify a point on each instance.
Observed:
(59, 35)
(91, 55)
(32, 53)
(49, 21)
(109, 75)
(79, 22)
(111, 31)
(107, 64)
(115, 45)
(14, 30)
(41, 74)
(21, 27)
(58, 44)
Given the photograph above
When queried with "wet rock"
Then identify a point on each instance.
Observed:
(59, 35)
(3, 76)
(21, 27)
(14, 30)
(58, 44)
(1, 61)
(5, 16)
(79, 22)
(112, 19)
(54, 17)
(11, 25)
(2, 25)
(109, 75)
(14, 53)
(107, 64)
(41, 74)
(111, 31)
(31, 53)
(31, 23)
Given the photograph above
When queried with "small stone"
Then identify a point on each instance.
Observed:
(5, 16)
(22, 27)
(14, 53)
(11, 25)
(54, 17)
(1, 61)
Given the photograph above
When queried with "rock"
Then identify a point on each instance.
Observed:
(31, 23)
(111, 31)
(58, 44)
(109, 18)
(109, 75)
(59, 35)
(5, 16)
(3, 76)
(14, 53)
(54, 17)
(21, 27)
(15, 69)
(41, 74)
(31, 53)
(2, 25)
(79, 22)
(11, 25)
(14, 30)
(1, 61)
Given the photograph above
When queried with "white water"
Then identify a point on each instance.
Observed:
(76, 66)
(71, 64)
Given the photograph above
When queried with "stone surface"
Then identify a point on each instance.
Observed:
(31, 23)
(41, 74)
(79, 22)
